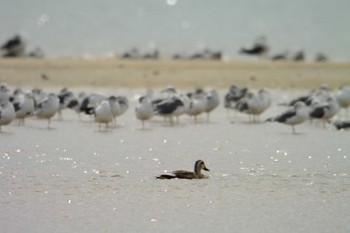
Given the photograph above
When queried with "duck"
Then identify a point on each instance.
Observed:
(181, 174)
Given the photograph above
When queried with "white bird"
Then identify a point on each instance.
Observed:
(297, 115)
(197, 106)
(7, 113)
(326, 110)
(343, 97)
(144, 110)
(255, 104)
(48, 108)
(212, 103)
(103, 114)
(24, 107)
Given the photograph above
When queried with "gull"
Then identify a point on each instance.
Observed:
(48, 108)
(181, 174)
(24, 107)
(197, 105)
(7, 113)
(325, 111)
(103, 114)
(233, 96)
(212, 103)
(170, 107)
(90, 102)
(144, 110)
(255, 104)
(297, 115)
(343, 97)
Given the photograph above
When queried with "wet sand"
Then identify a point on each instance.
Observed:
(262, 179)
(115, 73)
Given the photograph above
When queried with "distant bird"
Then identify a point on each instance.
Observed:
(299, 56)
(133, 54)
(325, 111)
(207, 54)
(321, 57)
(47, 108)
(151, 55)
(259, 48)
(144, 110)
(297, 115)
(103, 114)
(45, 77)
(14, 47)
(7, 113)
(181, 174)
(280, 57)
(24, 107)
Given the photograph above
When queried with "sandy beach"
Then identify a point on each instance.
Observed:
(115, 73)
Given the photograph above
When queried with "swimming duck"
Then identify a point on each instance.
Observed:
(181, 174)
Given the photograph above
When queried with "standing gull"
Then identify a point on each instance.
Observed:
(48, 108)
(144, 110)
(24, 107)
(297, 115)
(325, 111)
(255, 104)
(212, 103)
(343, 97)
(103, 114)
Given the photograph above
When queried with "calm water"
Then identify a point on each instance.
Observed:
(263, 178)
(103, 27)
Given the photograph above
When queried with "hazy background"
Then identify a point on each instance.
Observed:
(101, 27)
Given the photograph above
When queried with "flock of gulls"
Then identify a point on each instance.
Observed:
(320, 104)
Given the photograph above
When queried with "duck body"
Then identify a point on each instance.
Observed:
(182, 174)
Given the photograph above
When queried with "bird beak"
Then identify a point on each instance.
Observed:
(206, 169)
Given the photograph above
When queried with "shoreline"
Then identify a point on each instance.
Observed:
(117, 73)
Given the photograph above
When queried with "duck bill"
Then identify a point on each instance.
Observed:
(206, 169)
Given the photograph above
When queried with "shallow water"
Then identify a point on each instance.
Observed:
(263, 178)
